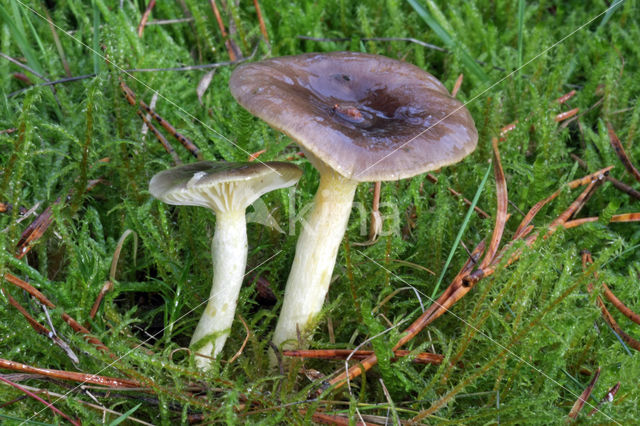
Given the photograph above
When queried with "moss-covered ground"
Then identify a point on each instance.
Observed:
(519, 348)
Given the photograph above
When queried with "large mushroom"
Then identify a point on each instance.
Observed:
(227, 189)
(358, 118)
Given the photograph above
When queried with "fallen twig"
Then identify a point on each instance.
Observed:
(163, 141)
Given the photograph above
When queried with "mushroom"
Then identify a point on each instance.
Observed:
(227, 189)
(358, 118)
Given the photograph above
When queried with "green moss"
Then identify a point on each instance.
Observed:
(518, 348)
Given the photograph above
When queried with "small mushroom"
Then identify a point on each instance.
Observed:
(227, 189)
(358, 118)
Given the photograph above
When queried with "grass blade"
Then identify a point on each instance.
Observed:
(615, 6)
(465, 222)
(451, 43)
(125, 416)
(521, 4)
(96, 38)
(17, 32)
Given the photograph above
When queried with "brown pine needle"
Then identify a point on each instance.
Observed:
(223, 31)
(255, 155)
(617, 218)
(343, 354)
(245, 341)
(620, 306)
(451, 295)
(190, 146)
(566, 115)
(584, 396)
(465, 280)
(607, 398)
(163, 141)
(615, 182)
(506, 129)
(501, 209)
(46, 302)
(37, 398)
(263, 27)
(635, 344)
(564, 98)
(72, 376)
(145, 17)
(577, 204)
(620, 152)
(186, 142)
(456, 86)
(455, 193)
(34, 231)
(108, 285)
(101, 408)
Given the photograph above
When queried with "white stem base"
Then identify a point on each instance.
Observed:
(229, 253)
(315, 258)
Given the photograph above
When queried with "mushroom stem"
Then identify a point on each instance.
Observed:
(315, 257)
(229, 253)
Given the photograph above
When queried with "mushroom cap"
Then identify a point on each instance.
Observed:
(368, 117)
(222, 186)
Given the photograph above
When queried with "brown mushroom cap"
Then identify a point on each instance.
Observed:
(221, 186)
(368, 117)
